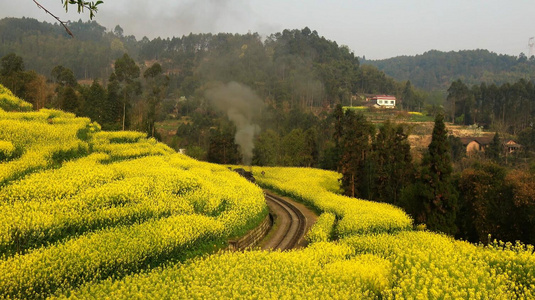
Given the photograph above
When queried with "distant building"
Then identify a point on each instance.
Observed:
(475, 144)
(511, 146)
(478, 144)
(383, 101)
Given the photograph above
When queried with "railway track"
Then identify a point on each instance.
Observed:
(292, 224)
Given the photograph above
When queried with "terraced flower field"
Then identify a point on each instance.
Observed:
(87, 214)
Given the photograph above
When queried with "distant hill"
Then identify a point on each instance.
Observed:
(435, 70)
(43, 46)
(297, 67)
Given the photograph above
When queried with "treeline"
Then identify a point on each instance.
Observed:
(485, 197)
(296, 67)
(129, 98)
(435, 70)
(509, 108)
(297, 73)
(44, 46)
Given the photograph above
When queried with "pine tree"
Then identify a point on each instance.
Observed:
(392, 163)
(432, 199)
(494, 150)
(355, 148)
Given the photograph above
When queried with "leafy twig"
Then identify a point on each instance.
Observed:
(92, 6)
(64, 24)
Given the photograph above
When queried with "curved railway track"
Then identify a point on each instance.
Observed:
(292, 224)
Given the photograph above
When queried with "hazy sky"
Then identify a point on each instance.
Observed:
(375, 28)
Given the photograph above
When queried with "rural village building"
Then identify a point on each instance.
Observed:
(383, 101)
(511, 146)
(478, 144)
(475, 144)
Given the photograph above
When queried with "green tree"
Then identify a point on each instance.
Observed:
(408, 98)
(460, 100)
(333, 150)
(432, 199)
(69, 100)
(94, 104)
(11, 64)
(127, 72)
(222, 148)
(496, 201)
(12, 74)
(355, 148)
(494, 151)
(292, 148)
(113, 106)
(63, 76)
(267, 149)
(392, 163)
(310, 150)
(156, 85)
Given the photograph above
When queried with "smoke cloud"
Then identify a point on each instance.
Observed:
(243, 107)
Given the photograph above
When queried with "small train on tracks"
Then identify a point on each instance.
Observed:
(248, 175)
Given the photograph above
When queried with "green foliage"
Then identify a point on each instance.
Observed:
(267, 149)
(39, 43)
(63, 76)
(506, 107)
(81, 4)
(432, 198)
(391, 164)
(223, 149)
(354, 151)
(436, 70)
(11, 64)
(495, 149)
(497, 201)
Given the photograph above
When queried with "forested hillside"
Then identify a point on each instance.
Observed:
(299, 67)
(436, 70)
(124, 83)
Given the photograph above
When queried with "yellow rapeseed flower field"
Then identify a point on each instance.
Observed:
(116, 215)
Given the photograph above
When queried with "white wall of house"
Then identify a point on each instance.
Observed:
(386, 102)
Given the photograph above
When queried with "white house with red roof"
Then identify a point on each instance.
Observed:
(383, 101)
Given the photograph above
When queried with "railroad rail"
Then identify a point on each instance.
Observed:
(292, 224)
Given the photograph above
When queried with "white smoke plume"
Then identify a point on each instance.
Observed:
(243, 107)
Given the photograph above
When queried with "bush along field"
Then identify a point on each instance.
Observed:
(87, 214)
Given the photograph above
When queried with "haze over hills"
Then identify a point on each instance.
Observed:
(91, 54)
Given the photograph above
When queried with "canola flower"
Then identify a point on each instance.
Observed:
(115, 203)
(322, 271)
(315, 187)
(127, 144)
(7, 150)
(38, 142)
(323, 229)
(113, 252)
(429, 265)
(87, 214)
(86, 195)
(155, 186)
(9, 102)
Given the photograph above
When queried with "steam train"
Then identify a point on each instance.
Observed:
(248, 175)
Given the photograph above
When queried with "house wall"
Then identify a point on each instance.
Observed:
(473, 147)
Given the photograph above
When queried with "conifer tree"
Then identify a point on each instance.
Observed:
(392, 163)
(355, 148)
(494, 150)
(432, 199)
